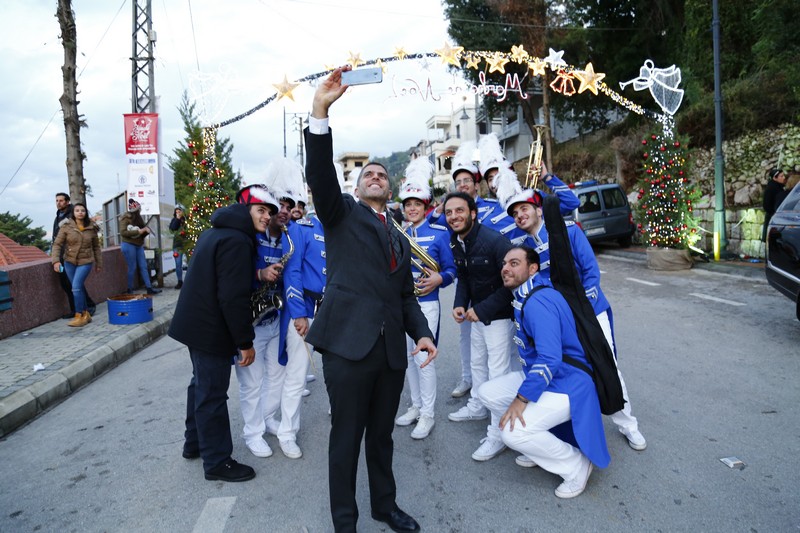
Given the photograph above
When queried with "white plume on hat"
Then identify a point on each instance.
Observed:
(418, 172)
(509, 190)
(491, 154)
(462, 160)
(284, 178)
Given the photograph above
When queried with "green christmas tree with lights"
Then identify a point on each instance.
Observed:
(666, 198)
(209, 195)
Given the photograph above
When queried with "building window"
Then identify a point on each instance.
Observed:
(482, 128)
(458, 131)
(359, 164)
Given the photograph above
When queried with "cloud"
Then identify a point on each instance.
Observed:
(242, 47)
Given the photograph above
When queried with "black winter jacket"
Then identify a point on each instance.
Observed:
(479, 282)
(213, 311)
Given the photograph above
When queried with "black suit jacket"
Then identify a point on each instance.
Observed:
(362, 297)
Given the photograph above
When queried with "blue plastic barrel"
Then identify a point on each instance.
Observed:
(130, 309)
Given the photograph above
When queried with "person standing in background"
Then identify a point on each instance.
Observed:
(63, 211)
(773, 196)
(133, 231)
(176, 227)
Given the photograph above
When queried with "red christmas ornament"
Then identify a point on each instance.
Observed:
(671, 162)
(674, 200)
(227, 198)
(210, 183)
(639, 226)
(183, 233)
(204, 162)
(195, 208)
(190, 184)
(677, 144)
(662, 148)
(219, 204)
(194, 153)
(680, 173)
(641, 191)
(644, 141)
(653, 137)
(190, 144)
(645, 155)
(649, 170)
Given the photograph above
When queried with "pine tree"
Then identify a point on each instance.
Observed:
(18, 229)
(208, 186)
(185, 157)
(666, 200)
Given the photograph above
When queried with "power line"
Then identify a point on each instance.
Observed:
(88, 60)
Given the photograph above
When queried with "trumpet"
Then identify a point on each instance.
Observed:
(535, 159)
(265, 299)
(420, 258)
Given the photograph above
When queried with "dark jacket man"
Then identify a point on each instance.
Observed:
(478, 269)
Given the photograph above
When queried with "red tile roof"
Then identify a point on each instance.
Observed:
(12, 253)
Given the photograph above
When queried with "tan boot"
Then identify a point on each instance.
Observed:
(87, 317)
(78, 321)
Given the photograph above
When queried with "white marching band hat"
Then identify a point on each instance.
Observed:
(418, 172)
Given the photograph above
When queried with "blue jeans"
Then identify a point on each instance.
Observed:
(77, 276)
(134, 256)
(178, 265)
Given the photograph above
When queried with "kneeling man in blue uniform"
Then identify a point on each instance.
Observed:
(548, 397)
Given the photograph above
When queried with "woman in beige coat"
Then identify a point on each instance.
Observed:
(79, 237)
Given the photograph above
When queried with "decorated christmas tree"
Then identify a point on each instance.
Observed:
(209, 195)
(666, 199)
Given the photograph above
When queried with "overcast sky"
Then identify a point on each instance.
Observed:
(226, 55)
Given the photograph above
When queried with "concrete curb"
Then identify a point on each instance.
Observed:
(24, 405)
(732, 268)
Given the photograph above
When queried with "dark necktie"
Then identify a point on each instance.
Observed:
(394, 242)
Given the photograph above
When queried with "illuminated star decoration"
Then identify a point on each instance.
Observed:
(519, 54)
(589, 78)
(330, 67)
(355, 60)
(381, 65)
(564, 83)
(497, 63)
(473, 61)
(555, 59)
(448, 54)
(400, 53)
(538, 66)
(285, 88)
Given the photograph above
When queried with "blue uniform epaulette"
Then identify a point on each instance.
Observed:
(304, 222)
(437, 226)
(569, 222)
(491, 200)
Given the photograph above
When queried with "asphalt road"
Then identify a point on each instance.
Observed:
(711, 363)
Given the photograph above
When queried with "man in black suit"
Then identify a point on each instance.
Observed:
(360, 329)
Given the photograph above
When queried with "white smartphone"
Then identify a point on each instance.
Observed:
(362, 76)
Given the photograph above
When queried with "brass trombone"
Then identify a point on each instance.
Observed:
(535, 158)
(420, 258)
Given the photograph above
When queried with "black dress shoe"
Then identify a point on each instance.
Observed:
(153, 291)
(179, 285)
(231, 471)
(397, 520)
(190, 454)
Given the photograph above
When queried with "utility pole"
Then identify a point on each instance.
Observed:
(720, 232)
(143, 93)
(297, 120)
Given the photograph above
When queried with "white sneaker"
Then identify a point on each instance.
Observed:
(411, 416)
(272, 426)
(489, 449)
(524, 461)
(423, 427)
(259, 447)
(306, 392)
(290, 449)
(635, 439)
(571, 488)
(461, 389)
(465, 413)
(311, 378)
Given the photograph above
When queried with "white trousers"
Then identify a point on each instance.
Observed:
(253, 386)
(491, 357)
(465, 350)
(534, 440)
(623, 418)
(422, 381)
(285, 384)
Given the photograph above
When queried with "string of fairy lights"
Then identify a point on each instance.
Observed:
(566, 75)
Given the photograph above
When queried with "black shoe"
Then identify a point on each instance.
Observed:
(179, 285)
(397, 520)
(231, 471)
(153, 291)
(190, 454)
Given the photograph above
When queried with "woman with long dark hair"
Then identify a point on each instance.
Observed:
(79, 237)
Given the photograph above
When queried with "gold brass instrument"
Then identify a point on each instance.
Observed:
(265, 299)
(535, 159)
(420, 258)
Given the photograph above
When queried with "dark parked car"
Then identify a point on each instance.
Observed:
(604, 213)
(783, 248)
